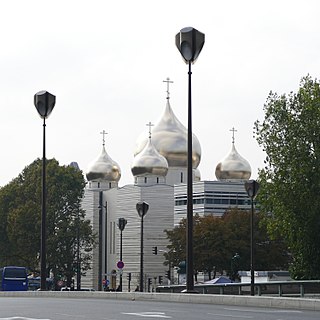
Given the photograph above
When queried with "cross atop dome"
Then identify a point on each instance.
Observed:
(168, 84)
(233, 131)
(149, 125)
(104, 133)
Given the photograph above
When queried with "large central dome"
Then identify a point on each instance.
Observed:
(169, 137)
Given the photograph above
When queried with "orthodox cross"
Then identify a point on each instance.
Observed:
(168, 84)
(233, 131)
(149, 125)
(104, 133)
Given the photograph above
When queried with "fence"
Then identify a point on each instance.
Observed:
(279, 288)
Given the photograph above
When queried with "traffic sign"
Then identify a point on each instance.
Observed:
(120, 264)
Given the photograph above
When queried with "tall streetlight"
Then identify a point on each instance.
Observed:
(142, 208)
(189, 42)
(121, 224)
(252, 188)
(44, 102)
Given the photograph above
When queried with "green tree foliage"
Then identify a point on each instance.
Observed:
(290, 181)
(216, 241)
(20, 216)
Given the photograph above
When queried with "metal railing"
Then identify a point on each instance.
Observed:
(278, 288)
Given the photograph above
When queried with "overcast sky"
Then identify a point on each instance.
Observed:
(106, 61)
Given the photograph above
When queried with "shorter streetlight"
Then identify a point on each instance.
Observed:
(252, 188)
(142, 209)
(121, 224)
(44, 103)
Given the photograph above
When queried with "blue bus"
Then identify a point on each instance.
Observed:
(13, 279)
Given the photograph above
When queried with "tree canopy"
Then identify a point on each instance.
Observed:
(290, 180)
(20, 220)
(217, 240)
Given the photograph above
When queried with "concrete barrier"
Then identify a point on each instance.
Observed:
(252, 301)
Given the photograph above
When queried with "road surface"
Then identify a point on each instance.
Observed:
(42, 308)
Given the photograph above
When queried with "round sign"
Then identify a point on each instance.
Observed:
(120, 264)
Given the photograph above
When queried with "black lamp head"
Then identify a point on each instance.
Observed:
(142, 208)
(44, 102)
(252, 187)
(189, 42)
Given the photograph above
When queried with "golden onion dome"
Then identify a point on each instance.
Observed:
(197, 174)
(169, 137)
(149, 162)
(233, 167)
(103, 168)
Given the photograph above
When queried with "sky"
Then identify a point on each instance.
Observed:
(105, 61)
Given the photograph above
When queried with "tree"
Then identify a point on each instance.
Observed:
(290, 181)
(20, 215)
(217, 240)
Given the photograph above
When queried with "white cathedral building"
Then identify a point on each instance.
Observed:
(159, 173)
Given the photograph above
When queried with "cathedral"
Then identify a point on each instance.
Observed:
(159, 172)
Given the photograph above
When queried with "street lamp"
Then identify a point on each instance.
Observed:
(189, 42)
(252, 188)
(142, 208)
(121, 224)
(44, 103)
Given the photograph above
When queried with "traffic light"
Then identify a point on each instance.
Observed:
(149, 282)
(160, 280)
(168, 274)
(155, 250)
(129, 276)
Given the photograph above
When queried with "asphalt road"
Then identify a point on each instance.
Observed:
(106, 309)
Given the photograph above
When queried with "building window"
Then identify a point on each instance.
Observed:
(110, 238)
(145, 179)
(114, 238)
(181, 177)
(109, 185)
(157, 179)
(98, 184)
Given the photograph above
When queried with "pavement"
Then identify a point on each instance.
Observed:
(253, 301)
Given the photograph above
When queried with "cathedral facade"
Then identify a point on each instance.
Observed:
(159, 173)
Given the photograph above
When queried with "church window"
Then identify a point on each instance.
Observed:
(98, 184)
(145, 179)
(157, 179)
(109, 185)
(110, 248)
(181, 177)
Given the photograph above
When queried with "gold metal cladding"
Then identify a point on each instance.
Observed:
(233, 167)
(103, 169)
(169, 137)
(149, 161)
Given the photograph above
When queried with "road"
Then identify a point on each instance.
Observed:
(106, 309)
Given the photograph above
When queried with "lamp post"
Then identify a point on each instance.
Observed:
(121, 224)
(189, 42)
(44, 103)
(142, 208)
(252, 188)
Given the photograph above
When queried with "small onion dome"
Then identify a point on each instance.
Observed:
(197, 174)
(149, 162)
(75, 165)
(233, 167)
(103, 169)
(169, 137)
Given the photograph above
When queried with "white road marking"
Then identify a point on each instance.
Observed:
(21, 318)
(147, 314)
(230, 316)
